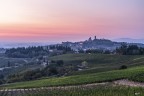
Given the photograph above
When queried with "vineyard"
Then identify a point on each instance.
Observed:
(79, 79)
(92, 90)
(100, 62)
(85, 83)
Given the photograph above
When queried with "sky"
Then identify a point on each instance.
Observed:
(70, 20)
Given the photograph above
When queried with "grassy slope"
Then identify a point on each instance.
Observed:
(4, 61)
(96, 91)
(100, 62)
(95, 60)
(101, 90)
(79, 79)
(97, 63)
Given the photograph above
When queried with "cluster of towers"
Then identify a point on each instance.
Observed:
(90, 39)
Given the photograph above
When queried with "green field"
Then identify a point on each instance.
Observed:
(97, 91)
(14, 61)
(100, 62)
(80, 79)
(101, 90)
(100, 68)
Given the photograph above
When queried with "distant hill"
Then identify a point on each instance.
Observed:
(95, 43)
(23, 44)
(129, 40)
(86, 44)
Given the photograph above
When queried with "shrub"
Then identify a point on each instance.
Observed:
(123, 67)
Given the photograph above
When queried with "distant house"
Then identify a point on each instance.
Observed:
(2, 50)
(44, 64)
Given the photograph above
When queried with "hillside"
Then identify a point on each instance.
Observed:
(99, 62)
(80, 79)
(99, 65)
(130, 40)
(67, 65)
(104, 44)
(100, 77)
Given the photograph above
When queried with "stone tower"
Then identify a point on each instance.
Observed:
(90, 39)
(95, 38)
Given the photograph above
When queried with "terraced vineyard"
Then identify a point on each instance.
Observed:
(80, 79)
(93, 90)
(20, 92)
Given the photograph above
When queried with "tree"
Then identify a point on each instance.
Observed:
(60, 62)
(53, 71)
(84, 64)
(8, 65)
(130, 50)
(123, 49)
(1, 76)
(133, 50)
(107, 52)
(123, 67)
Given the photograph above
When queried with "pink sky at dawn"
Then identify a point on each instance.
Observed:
(73, 20)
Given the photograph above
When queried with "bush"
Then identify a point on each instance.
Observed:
(123, 67)
(60, 62)
(138, 77)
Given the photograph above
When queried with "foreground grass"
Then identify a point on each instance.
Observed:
(101, 90)
(138, 77)
(97, 91)
(92, 91)
(79, 79)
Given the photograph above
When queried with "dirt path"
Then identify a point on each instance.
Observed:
(126, 82)
(60, 87)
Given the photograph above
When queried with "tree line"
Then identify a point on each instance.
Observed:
(23, 52)
(31, 52)
(130, 50)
